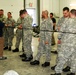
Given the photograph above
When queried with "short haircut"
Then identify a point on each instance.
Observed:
(66, 8)
(51, 14)
(73, 11)
(1, 10)
(10, 12)
(46, 12)
(22, 11)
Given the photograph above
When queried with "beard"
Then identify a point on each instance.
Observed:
(43, 17)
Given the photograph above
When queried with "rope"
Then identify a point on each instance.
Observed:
(43, 30)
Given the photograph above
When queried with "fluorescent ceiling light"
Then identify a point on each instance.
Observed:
(72, 4)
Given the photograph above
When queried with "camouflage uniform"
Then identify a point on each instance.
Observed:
(45, 36)
(19, 34)
(61, 20)
(67, 46)
(3, 19)
(27, 35)
(60, 23)
(9, 34)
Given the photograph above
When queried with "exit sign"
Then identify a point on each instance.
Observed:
(30, 4)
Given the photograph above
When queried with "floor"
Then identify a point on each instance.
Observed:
(24, 68)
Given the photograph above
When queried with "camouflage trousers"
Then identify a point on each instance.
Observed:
(8, 37)
(66, 53)
(44, 49)
(58, 50)
(19, 37)
(27, 39)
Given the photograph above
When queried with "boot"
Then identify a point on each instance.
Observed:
(22, 55)
(3, 58)
(46, 64)
(52, 44)
(53, 67)
(27, 59)
(71, 74)
(16, 50)
(66, 69)
(55, 52)
(22, 49)
(9, 48)
(56, 74)
(36, 62)
(5, 48)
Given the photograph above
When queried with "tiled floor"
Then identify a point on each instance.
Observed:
(24, 68)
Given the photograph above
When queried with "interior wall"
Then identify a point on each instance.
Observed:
(13, 6)
(32, 4)
(54, 6)
(50, 5)
(67, 3)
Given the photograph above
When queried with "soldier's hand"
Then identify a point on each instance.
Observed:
(59, 41)
(6, 25)
(58, 27)
(46, 42)
(20, 27)
(12, 24)
(38, 39)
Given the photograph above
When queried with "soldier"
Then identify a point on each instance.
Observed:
(54, 26)
(73, 59)
(19, 34)
(45, 40)
(1, 38)
(9, 34)
(68, 45)
(59, 25)
(2, 17)
(27, 36)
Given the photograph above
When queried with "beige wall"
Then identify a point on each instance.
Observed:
(13, 6)
(54, 6)
(68, 3)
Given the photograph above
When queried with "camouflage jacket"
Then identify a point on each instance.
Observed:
(27, 23)
(10, 22)
(61, 20)
(60, 23)
(19, 21)
(2, 18)
(45, 28)
(69, 27)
